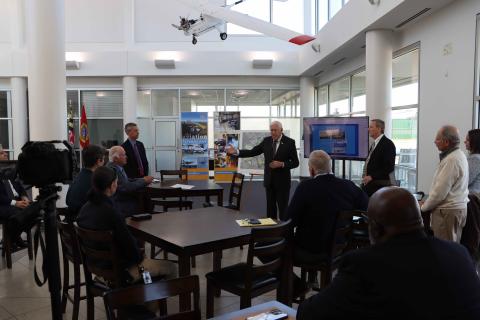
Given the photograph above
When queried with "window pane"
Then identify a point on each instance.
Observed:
(292, 128)
(335, 6)
(259, 9)
(164, 102)
(202, 100)
(99, 104)
(143, 110)
(72, 103)
(289, 14)
(322, 13)
(6, 133)
(5, 108)
(287, 99)
(405, 79)
(322, 101)
(338, 97)
(359, 99)
(106, 132)
(254, 124)
(404, 135)
(251, 103)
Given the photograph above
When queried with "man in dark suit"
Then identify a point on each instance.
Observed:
(281, 156)
(92, 157)
(137, 163)
(379, 167)
(125, 199)
(315, 205)
(404, 275)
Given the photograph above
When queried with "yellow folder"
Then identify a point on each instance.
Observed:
(263, 222)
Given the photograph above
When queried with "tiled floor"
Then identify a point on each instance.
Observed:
(21, 298)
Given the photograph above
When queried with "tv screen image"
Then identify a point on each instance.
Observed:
(341, 138)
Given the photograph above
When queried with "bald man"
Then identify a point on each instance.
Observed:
(281, 156)
(403, 275)
(448, 196)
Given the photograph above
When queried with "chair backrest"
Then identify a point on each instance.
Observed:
(99, 255)
(269, 245)
(140, 294)
(68, 238)
(174, 174)
(342, 234)
(235, 196)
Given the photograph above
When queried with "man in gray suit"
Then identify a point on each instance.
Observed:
(125, 198)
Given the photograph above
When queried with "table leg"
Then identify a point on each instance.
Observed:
(220, 198)
(217, 265)
(285, 288)
(183, 271)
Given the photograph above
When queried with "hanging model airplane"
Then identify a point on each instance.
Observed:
(216, 17)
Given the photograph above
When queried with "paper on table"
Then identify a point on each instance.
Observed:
(263, 222)
(183, 186)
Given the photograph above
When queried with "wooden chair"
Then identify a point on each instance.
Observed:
(339, 243)
(235, 195)
(71, 254)
(174, 174)
(7, 245)
(99, 257)
(248, 280)
(133, 296)
(169, 204)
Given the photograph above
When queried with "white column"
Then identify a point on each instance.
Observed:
(130, 100)
(19, 113)
(307, 109)
(45, 21)
(379, 76)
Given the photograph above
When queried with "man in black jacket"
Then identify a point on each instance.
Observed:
(380, 164)
(315, 205)
(403, 275)
(137, 163)
(281, 156)
(93, 157)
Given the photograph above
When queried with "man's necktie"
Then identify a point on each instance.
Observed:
(141, 171)
(372, 146)
(275, 146)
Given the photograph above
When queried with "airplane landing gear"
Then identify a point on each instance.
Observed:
(223, 35)
(194, 40)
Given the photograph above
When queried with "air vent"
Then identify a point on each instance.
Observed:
(415, 16)
(363, 47)
(318, 73)
(339, 61)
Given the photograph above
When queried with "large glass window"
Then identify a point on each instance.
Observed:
(322, 101)
(326, 9)
(289, 14)
(259, 9)
(339, 94)
(359, 98)
(6, 134)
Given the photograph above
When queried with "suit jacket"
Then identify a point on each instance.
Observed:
(6, 209)
(126, 198)
(382, 160)
(131, 168)
(99, 213)
(78, 190)
(410, 276)
(314, 207)
(286, 152)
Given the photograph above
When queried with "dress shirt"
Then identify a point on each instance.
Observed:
(15, 193)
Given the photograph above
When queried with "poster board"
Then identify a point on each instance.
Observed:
(195, 144)
(226, 130)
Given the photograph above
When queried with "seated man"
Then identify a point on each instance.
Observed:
(13, 200)
(93, 157)
(315, 205)
(403, 275)
(99, 213)
(126, 200)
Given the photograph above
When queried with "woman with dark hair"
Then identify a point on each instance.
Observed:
(99, 213)
(472, 143)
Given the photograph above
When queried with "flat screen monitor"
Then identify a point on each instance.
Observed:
(341, 138)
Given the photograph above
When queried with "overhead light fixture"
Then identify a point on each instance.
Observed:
(165, 64)
(72, 65)
(262, 63)
(374, 2)
(316, 47)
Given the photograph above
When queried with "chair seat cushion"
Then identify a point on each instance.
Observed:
(234, 276)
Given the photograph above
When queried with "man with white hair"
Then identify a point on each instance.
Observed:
(448, 196)
(280, 155)
(125, 198)
(315, 205)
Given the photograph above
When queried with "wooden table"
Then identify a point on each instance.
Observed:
(194, 232)
(264, 307)
(205, 188)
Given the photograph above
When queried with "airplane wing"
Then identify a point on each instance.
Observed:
(249, 22)
(178, 27)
